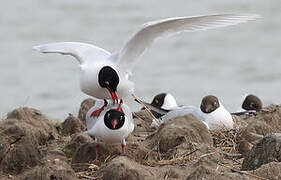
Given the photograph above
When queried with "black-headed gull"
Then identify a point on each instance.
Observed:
(104, 74)
(164, 101)
(211, 112)
(114, 124)
(250, 104)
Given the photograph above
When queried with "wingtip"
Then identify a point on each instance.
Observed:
(249, 16)
(36, 48)
(254, 16)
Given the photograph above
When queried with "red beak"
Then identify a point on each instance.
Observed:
(114, 123)
(114, 95)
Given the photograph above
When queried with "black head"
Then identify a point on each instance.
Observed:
(108, 78)
(114, 119)
(252, 102)
(158, 100)
(209, 104)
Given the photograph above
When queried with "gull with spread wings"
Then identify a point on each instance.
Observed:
(104, 74)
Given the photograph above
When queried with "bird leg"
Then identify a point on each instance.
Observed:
(96, 161)
(97, 152)
(97, 112)
(123, 144)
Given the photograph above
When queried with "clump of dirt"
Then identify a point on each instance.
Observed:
(76, 141)
(40, 127)
(186, 131)
(51, 168)
(72, 125)
(84, 108)
(87, 153)
(21, 135)
(18, 149)
(124, 168)
(261, 123)
(271, 171)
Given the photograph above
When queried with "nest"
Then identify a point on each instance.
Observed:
(228, 140)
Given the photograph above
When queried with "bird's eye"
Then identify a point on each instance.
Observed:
(108, 115)
(252, 105)
(106, 82)
(215, 103)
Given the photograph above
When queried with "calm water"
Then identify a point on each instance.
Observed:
(227, 62)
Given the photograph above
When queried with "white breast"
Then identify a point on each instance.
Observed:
(219, 119)
(97, 128)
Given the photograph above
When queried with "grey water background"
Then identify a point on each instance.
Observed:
(227, 62)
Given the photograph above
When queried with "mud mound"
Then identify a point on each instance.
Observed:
(87, 153)
(76, 141)
(124, 168)
(265, 151)
(84, 108)
(72, 125)
(262, 123)
(37, 125)
(271, 171)
(52, 168)
(186, 131)
(18, 150)
(21, 135)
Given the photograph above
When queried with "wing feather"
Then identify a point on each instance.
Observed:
(81, 51)
(140, 41)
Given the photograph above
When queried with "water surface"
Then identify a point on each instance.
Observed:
(226, 62)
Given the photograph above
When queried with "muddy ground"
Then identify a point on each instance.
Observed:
(33, 146)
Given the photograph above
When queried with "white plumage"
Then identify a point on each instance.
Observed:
(97, 128)
(92, 58)
(220, 118)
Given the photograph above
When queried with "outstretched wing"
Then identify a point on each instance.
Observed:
(81, 51)
(133, 49)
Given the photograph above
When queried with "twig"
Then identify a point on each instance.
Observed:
(191, 152)
(88, 177)
(147, 109)
(208, 154)
(243, 172)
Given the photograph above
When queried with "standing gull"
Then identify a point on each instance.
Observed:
(114, 124)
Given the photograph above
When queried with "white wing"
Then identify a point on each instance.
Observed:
(91, 121)
(81, 51)
(150, 31)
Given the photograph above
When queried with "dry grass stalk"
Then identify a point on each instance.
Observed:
(228, 140)
(147, 109)
(186, 157)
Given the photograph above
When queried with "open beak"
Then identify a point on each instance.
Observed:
(114, 95)
(114, 123)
